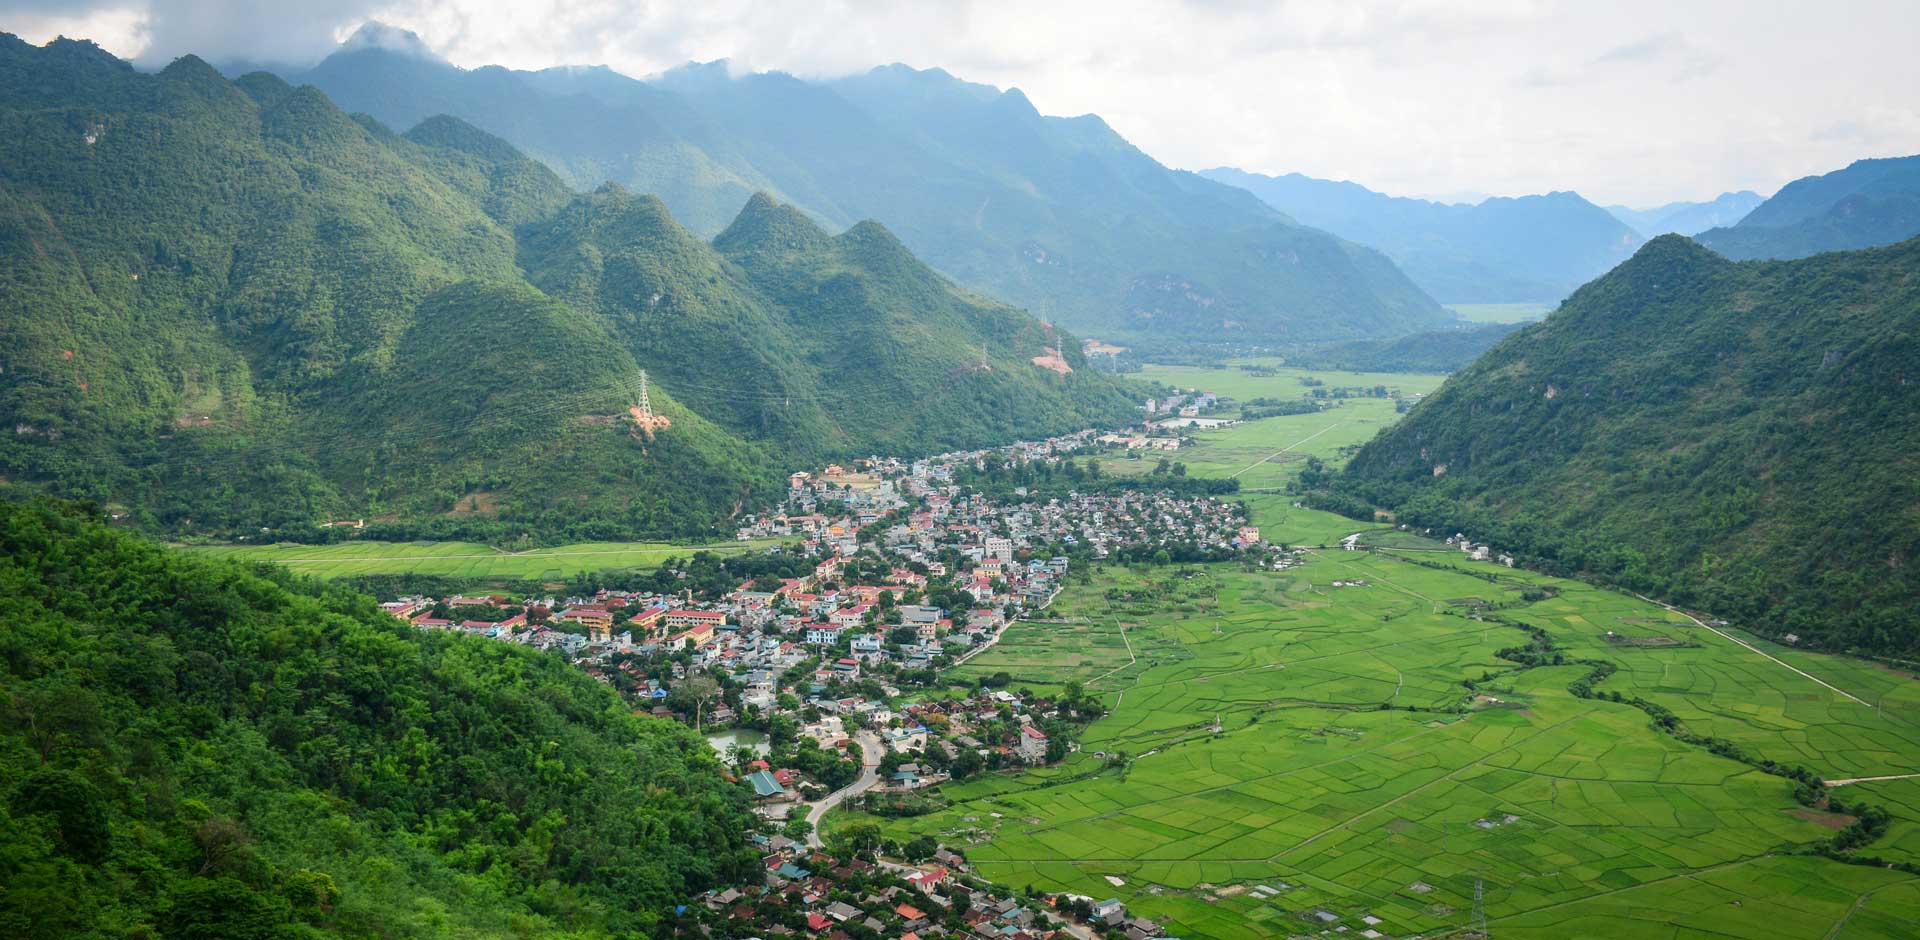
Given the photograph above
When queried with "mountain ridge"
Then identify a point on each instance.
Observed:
(238, 306)
(1500, 250)
(1687, 467)
(1059, 215)
(1868, 203)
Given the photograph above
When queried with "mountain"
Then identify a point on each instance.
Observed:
(1870, 203)
(1500, 250)
(1689, 218)
(198, 748)
(1733, 436)
(1058, 215)
(232, 305)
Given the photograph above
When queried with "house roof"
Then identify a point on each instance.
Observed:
(764, 784)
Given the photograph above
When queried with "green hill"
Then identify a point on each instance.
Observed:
(1737, 436)
(198, 748)
(1867, 204)
(230, 305)
(1059, 215)
(1500, 250)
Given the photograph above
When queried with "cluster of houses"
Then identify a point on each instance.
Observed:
(1479, 552)
(845, 621)
(809, 893)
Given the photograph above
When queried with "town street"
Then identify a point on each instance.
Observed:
(871, 749)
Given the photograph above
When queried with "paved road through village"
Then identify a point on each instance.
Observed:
(870, 750)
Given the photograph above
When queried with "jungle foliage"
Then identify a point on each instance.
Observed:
(229, 306)
(197, 748)
(1739, 437)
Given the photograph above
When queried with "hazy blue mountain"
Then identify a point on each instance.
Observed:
(1060, 215)
(1500, 250)
(1689, 218)
(1870, 203)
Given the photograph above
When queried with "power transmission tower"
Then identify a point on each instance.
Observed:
(645, 422)
(1479, 910)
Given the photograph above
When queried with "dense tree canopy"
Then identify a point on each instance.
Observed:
(1736, 436)
(231, 306)
(201, 749)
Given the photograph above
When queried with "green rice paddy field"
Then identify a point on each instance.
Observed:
(1502, 313)
(467, 559)
(1352, 773)
(1302, 759)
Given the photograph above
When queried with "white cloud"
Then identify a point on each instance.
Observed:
(1639, 101)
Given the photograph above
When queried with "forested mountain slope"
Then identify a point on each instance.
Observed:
(1737, 436)
(1869, 203)
(1059, 215)
(1500, 250)
(230, 305)
(196, 748)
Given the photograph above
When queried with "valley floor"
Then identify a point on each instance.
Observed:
(469, 559)
(1298, 753)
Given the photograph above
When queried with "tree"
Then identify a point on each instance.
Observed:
(224, 909)
(693, 693)
(78, 814)
(797, 828)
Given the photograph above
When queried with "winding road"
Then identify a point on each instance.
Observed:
(870, 750)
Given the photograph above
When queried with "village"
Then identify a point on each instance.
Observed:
(821, 687)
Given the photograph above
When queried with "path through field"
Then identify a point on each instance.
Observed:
(1756, 649)
(1842, 783)
(1283, 450)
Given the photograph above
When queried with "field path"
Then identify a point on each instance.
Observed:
(1859, 903)
(1283, 450)
(1842, 783)
(1131, 659)
(1756, 649)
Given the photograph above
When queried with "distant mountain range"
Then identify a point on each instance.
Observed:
(1870, 203)
(1735, 436)
(1500, 250)
(229, 304)
(1059, 215)
(1689, 218)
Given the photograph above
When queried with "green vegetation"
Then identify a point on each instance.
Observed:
(1376, 749)
(1732, 437)
(1265, 457)
(467, 561)
(1434, 351)
(1502, 313)
(1867, 204)
(196, 748)
(1058, 215)
(236, 307)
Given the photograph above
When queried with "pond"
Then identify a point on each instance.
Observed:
(745, 738)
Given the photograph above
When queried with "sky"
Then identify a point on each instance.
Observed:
(1630, 101)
